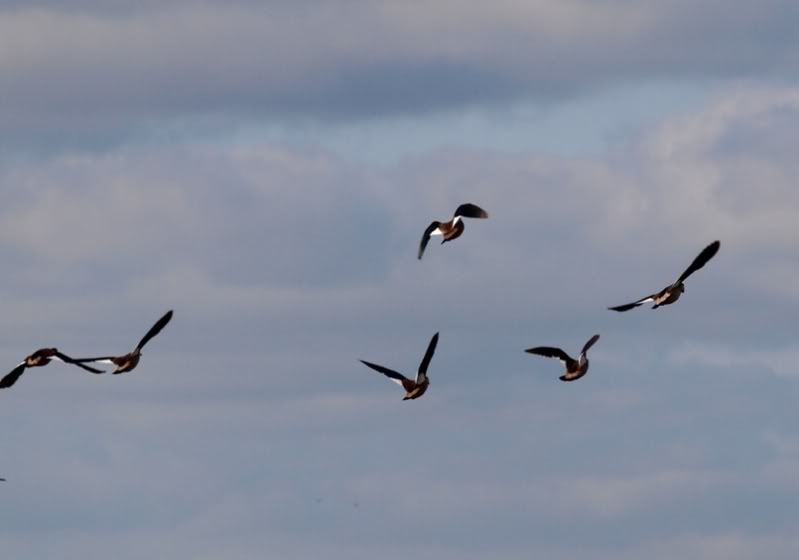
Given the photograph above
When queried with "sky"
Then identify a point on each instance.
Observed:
(266, 169)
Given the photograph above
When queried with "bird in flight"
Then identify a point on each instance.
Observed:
(452, 229)
(413, 388)
(131, 360)
(672, 293)
(575, 369)
(40, 358)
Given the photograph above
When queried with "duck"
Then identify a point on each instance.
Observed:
(452, 229)
(672, 292)
(129, 361)
(40, 358)
(413, 388)
(575, 369)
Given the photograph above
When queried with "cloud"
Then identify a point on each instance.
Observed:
(251, 426)
(96, 72)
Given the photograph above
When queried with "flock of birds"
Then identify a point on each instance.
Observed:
(414, 388)
(123, 363)
(575, 368)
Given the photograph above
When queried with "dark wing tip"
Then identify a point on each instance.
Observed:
(625, 307)
(590, 343)
(10, 378)
(426, 238)
(470, 210)
(428, 355)
(155, 329)
(701, 260)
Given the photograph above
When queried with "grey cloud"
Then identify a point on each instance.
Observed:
(250, 428)
(95, 72)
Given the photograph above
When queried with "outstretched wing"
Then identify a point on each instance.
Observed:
(66, 359)
(11, 377)
(102, 359)
(426, 237)
(589, 344)
(550, 352)
(701, 260)
(156, 328)
(390, 373)
(470, 211)
(428, 355)
(628, 306)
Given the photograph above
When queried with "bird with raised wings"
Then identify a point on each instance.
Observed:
(452, 229)
(414, 388)
(41, 358)
(130, 360)
(575, 369)
(672, 293)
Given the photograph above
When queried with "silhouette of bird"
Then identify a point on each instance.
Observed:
(575, 369)
(413, 388)
(672, 293)
(452, 229)
(41, 358)
(129, 361)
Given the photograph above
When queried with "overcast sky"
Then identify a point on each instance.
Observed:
(266, 169)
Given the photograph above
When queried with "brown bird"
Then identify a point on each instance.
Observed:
(131, 360)
(452, 229)
(575, 369)
(413, 389)
(40, 358)
(672, 293)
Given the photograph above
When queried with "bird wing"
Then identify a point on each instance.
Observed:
(390, 373)
(628, 306)
(428, 355)
(550, 352)
(589, 344)
(156, 328)
(426, 237)
(470, 211)
(66, 359)
(11, 377)
(101, 360)
(701, 260)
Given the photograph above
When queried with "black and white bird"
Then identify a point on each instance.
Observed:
(129, 361)
(672, 293)
(41, 358)
(413, 388)
(452, 229)
(575, 369)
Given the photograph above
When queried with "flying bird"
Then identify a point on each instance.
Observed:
(672, 293)
(575, 369)
(452, 229)
(413, 388)
(131, 360)
(40, 358)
